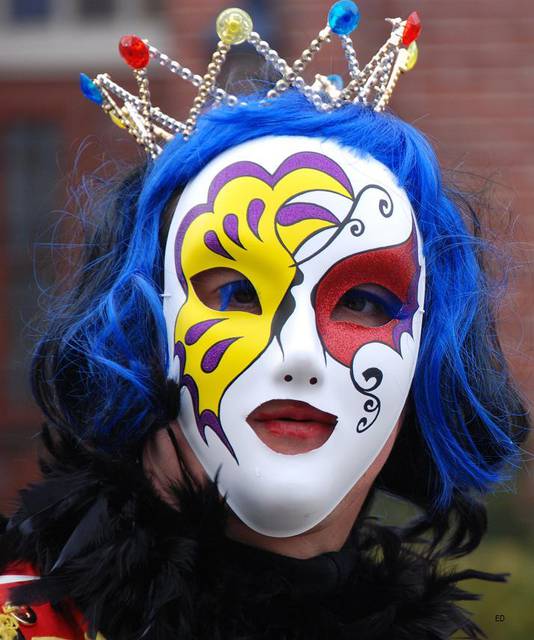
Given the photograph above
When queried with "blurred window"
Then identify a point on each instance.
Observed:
(30, 10)
(153, 8)
(97, 9)
(31, 182)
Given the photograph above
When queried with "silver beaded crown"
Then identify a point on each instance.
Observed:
(371, 86)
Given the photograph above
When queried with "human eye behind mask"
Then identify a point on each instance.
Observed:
(368, 305)
(225, 289)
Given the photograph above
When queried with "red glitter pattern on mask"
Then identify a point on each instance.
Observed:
(393, 268)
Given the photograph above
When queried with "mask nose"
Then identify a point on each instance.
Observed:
(299, 375)
(303, 359)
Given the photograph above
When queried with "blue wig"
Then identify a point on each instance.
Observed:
(100, 368)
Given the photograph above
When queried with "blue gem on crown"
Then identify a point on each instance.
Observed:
(344, 17)
(90, 90)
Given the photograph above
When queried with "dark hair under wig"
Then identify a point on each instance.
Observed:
(99, 370)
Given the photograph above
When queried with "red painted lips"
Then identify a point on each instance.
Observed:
(291, 426)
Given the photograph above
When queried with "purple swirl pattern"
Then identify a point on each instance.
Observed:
(231, 228)
(254, 212)
(214, 354)
(196, 332)
(211, 240)
(293, 213)
(207, 419)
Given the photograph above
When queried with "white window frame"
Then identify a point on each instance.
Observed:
(65, 42)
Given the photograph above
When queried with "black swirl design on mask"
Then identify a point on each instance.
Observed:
(357, 227)
(385, 202)
(386, 206)
(372, 405)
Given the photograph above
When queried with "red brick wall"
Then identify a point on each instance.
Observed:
(472, 93)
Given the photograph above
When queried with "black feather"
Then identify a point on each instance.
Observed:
(138, 568)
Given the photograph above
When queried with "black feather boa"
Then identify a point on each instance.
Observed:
(138, 568)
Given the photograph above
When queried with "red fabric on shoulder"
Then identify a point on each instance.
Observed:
(38, 621)
(20, 569)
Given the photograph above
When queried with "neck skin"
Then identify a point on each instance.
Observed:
(162, 467)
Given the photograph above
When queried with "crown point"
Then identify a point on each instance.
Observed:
(134, 51)
(344, 17)
(234, 26)
(90, 90)
(412, 29)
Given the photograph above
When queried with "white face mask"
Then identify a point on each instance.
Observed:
(294, 291)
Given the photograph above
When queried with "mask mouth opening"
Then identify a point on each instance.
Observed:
(291, 427)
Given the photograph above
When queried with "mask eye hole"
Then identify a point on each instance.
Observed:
(367, 305)
(224, 289)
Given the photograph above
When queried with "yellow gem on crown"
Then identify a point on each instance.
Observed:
(117, 121)
(234, 26)
(413, 54)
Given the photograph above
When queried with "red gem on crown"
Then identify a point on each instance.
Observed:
(412, 29)
(134, 51)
